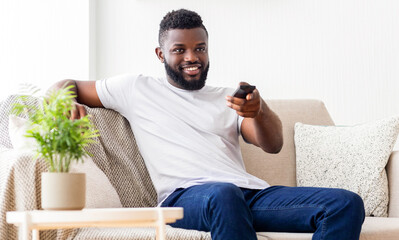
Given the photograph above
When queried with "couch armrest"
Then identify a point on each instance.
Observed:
(20, 179)
(393, 182)
(19, 186)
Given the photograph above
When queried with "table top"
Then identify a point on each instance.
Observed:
(49, 219)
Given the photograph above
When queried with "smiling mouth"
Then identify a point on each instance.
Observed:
(191, 70)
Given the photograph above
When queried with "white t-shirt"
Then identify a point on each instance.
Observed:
(186, 137)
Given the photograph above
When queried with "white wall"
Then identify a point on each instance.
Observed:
(42, 42)
(344, 52)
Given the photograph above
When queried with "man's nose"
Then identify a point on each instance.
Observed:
(190, 56)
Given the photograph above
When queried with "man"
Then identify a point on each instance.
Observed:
(197, 163)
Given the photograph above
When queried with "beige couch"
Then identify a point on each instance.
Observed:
(117, 156)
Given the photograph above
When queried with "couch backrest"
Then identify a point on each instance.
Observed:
(279, 169)
(117, 155)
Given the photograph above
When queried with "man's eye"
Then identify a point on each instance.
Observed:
(178, 50)
(201, 49)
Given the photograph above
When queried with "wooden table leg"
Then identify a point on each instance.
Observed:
(25, 227)
(161, 233)
(35, 234)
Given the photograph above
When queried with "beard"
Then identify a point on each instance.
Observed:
(177, 77)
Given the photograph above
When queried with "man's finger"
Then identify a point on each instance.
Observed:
(253, 95)
(236, 107)
(235, 100)
(74, 114)
(82, 111)
(243, 108)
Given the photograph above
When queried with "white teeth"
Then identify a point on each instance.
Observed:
(192, 68)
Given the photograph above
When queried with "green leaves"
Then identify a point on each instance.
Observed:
(60, 139)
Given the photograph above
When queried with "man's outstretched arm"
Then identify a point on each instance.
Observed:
(86, 94)
(261, 126)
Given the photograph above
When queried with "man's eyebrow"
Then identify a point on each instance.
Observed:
(182, 45)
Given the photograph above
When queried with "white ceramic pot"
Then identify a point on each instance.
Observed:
(63, 191)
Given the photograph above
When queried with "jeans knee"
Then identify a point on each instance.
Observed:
(352, 204)
(225, 193)
(358, 206)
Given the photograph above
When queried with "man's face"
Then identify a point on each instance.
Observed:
(185, 55)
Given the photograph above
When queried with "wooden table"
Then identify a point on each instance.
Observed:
(37, 220)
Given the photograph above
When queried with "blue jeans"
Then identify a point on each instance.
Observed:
(230, 212)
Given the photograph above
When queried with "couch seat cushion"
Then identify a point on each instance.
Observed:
(374, 228)
(380, 228)
(143, 234)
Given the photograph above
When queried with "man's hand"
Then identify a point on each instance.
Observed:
(85, 92)
(248, 107)
(78, 112)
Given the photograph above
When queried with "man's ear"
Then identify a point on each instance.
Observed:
(159, 53)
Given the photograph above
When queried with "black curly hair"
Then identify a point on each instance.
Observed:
(179, 19)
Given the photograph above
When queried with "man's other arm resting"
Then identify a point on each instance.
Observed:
(85, 92)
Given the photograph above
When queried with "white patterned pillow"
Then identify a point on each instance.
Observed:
(352, 158)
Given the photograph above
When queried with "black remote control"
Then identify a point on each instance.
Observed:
(243, 90)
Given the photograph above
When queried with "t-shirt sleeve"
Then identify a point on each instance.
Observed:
(115, 92)
(239, 122)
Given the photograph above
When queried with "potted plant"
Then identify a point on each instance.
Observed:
(60, 141)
